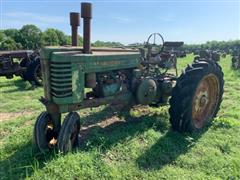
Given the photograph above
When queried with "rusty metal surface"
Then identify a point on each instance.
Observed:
(15, 70)
(90, 80)
(86, 14)
(45, 68)
(74, 22)
(122, 98)
(205, 100)
(8, 67)
(86, 10)
(16, 54)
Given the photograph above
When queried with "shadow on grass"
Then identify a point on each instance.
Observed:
(22, 162)
(168, 148)
(97, 117)
(120, 130)
(19, 84)
(236, 73)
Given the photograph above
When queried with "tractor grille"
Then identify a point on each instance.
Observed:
(61, 79)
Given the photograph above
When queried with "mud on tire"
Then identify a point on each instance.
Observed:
(197, 96)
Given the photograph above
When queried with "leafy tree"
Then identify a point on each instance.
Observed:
(50, 38)
(69, 40)
(2, 36)
(14, 34)
(30, 37)
(63, 39)
(80, 41)
(7, 43)
(106, 44)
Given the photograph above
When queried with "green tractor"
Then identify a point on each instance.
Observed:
(147, 76)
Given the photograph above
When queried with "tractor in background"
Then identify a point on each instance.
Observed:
(23, 63)
(209, 54)
(236, 59)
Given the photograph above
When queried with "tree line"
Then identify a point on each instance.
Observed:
(224, 46)
(31, 37)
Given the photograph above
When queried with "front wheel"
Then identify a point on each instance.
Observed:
(46, 132)
(197, 96)
(68, 136)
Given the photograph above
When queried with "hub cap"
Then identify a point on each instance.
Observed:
(205, 100)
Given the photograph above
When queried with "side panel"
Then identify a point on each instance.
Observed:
(67, 82)
(45, 75)
(110, 63)
(99, 63)
(78, 82)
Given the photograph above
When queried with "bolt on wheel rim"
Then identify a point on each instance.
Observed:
(205, 100)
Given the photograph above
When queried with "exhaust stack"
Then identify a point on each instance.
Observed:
(86, 14)
(74, 22)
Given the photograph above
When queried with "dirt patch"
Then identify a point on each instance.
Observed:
(103, 124)
(11, 115)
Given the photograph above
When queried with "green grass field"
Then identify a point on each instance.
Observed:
(129, 145)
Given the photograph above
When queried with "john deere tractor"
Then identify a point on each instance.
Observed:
(147, 76)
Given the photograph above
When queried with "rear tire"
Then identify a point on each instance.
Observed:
(68, 136)
(197, 96)
(33, 73)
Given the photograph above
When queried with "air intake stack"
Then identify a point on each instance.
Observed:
(74, 22)
(86, 14)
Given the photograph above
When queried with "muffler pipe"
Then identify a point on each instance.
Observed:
(86, 14)
(74, 22)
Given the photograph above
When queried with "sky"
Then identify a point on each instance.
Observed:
(131, 21)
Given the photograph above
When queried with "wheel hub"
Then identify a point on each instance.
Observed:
(205, 100)
(201, 100)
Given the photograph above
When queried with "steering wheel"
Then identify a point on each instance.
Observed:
(153, 47)
(154, 35)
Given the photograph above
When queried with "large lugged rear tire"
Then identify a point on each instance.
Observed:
(197, 96)
(33, 73)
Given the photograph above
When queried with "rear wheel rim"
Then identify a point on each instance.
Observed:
(205, 100)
